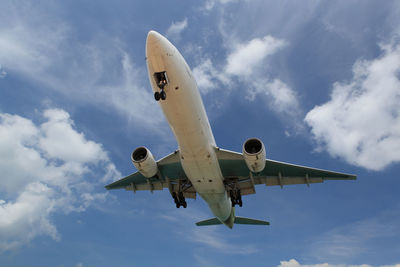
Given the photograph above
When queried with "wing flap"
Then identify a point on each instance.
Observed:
(274, 180)
(158, 186)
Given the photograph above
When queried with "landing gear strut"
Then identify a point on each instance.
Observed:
(236, 197)
(179, 200)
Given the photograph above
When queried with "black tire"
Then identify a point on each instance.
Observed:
(184, 205)
(157, 96)
(240, 203)
(163, 95)
(178, 205)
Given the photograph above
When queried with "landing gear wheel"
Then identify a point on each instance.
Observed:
(157, 96)
(236, 197)
(184, 205)
(163, 95)
(178, 205)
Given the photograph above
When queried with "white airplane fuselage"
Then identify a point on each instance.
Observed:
(184, 110)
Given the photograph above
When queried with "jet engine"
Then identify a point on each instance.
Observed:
(144, 162)
(254, 154)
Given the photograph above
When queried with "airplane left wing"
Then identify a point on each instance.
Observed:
(237, 175)
(170, 175)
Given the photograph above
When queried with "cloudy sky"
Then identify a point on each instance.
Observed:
(317, 81)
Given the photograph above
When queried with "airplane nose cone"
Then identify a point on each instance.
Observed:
(157, 45)
(159, 52)
(155, 42)
(153, 37)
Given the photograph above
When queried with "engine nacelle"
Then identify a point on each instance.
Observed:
(144, 162)
(254, 154)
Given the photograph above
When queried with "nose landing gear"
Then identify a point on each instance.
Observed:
(161, 81)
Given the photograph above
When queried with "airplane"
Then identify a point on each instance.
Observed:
(199, 166)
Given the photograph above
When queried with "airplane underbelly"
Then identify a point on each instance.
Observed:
(200, 162)
(186, 115)
(196, 142)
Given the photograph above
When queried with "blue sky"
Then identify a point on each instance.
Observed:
(317, 81)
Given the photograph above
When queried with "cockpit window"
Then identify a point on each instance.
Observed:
(161, 79)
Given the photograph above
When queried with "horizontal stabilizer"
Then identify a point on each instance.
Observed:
(238, 220)
(243, 220)
(213, 221)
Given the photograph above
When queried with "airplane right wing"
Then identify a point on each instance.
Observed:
(238, 176)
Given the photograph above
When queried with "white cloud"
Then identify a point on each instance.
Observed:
(175, 29)
(246, 57)
(204, 261)
(127, 97)
(3, 73)
(294, 263)
(361, 121)
(244, 62)
(282, 97)
(42, 47)
(359, 238)
(56, 130)
(45, 169)
(205, 75)
(210, 237)
(211, 3)
(245, 66)
(27, 216)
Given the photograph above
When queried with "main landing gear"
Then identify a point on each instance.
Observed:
(236, 197)
(179, 199)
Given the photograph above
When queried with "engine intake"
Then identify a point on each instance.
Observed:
(254, 154)
(144, 162)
